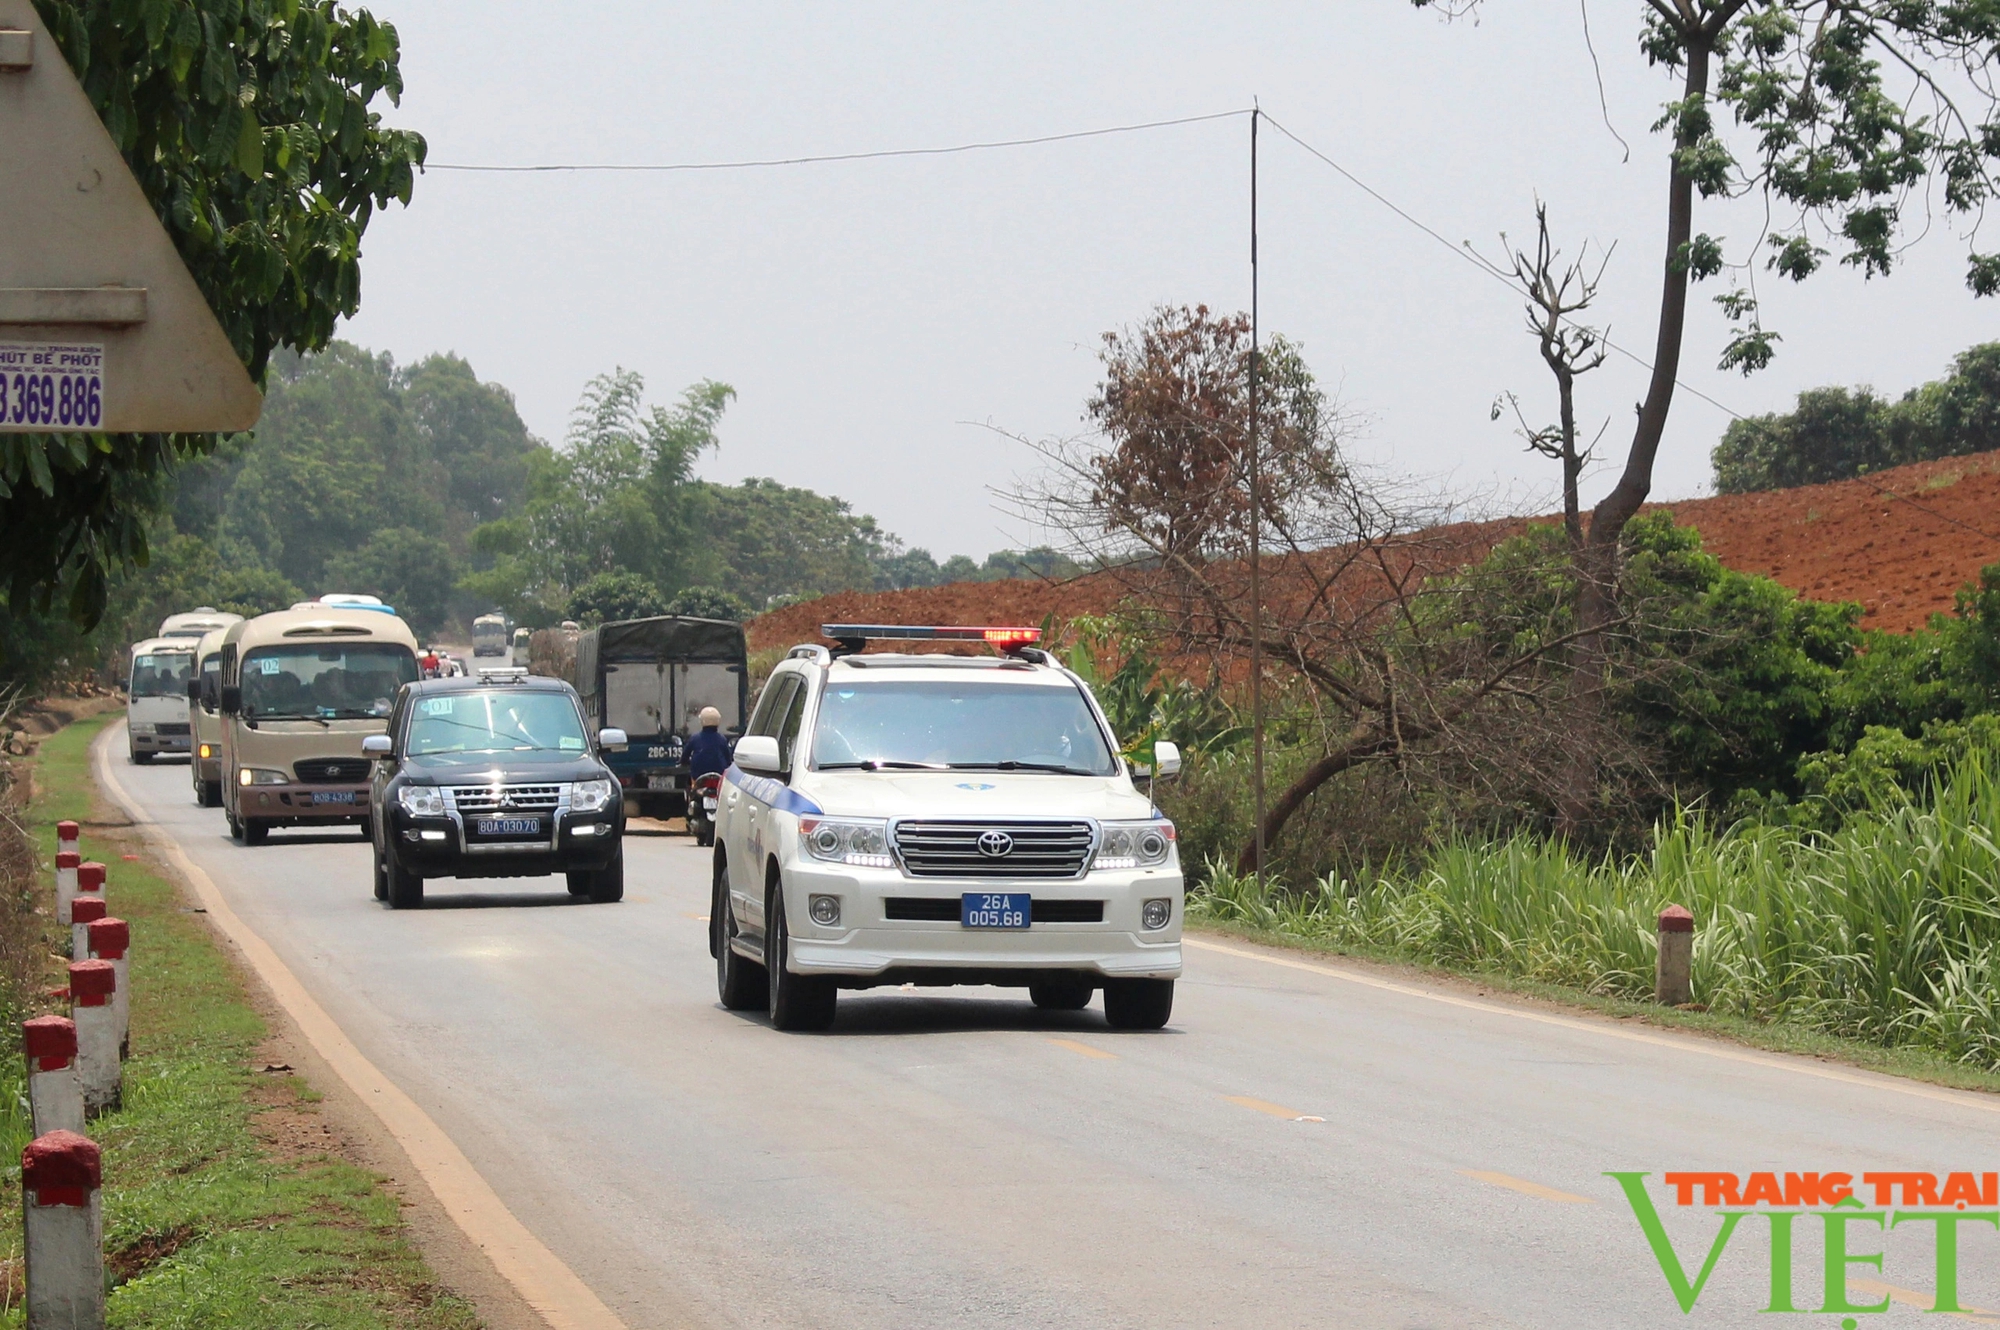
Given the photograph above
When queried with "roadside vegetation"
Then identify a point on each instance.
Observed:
(224, 1203)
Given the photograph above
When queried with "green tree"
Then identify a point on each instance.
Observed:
(772, 540)
(609, 597)
(707, 602)
(410, 569)
(249, 128)
(1848, 116)
(475, 434)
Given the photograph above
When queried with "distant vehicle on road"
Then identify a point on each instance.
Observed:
(928, 819)
(198, 622)
(492, 635)
(299, 691)
(651, 678)
(156, 698)
(523, 648)
(495, 775)
(205, 720)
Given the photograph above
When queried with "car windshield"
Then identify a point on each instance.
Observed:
(161, 675)
(325, 681)
(472, 727)
(974, 725)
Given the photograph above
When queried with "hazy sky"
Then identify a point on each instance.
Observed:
(873, 316)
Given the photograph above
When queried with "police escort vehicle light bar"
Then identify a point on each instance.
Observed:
(936, 820)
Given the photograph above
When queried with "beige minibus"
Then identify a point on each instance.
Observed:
(299, 690)
(205, 720)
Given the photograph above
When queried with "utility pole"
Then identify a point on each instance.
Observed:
(1256, 525)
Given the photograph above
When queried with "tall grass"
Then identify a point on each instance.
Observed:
(1887, 930)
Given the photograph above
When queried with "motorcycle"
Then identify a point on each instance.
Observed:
(702, 796)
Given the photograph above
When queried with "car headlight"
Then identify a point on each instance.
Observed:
(206, 752)
(859, 844)
(421, 800)
(590, 796)
(142, 727)
(1145, 844)
(1156, 913)
(261, 776)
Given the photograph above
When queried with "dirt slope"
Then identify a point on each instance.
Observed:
(1900, 542)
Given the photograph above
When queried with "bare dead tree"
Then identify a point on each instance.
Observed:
(1556, 294)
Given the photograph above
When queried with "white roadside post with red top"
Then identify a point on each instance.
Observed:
(89, 881)
(66, 865)
(92, 986)
(111, 940)
(83, 912)
(61, 1175)
(55, 1099)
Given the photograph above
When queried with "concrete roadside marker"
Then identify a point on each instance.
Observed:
(61, 1174)
(92, 985)
(66, 862)
(55, 1099)
(66, 837)
(111, 940)
(83, 912)
(89, 881)
(1673, 972)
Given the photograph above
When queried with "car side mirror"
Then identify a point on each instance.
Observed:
(232, 699)
(612, 740)
(194, 689)
(758, 752)
(377, 745)
(1166, 760)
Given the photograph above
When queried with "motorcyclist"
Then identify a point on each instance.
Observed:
(708, 751)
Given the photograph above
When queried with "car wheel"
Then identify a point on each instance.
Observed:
(607, 884)
(235, 824)
(578, 880)
(1062, 994)
(741, 984)
(214, 793)
(140, 759)
(1138, 1004)
(381, 878)
(255, 831)
(368, 830)
(201, 793)
(406, 889)
(798, 1002)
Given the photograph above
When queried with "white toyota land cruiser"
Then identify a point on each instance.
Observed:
(930, 819)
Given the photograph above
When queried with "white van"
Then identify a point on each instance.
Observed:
(299, 691)
(205, 720)
(156, 697)
(198, 622)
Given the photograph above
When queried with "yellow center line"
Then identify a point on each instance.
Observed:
(1527, 1188)
(699, 917)
(1910, 1297)
(1275, 1110)
(1085, 1049)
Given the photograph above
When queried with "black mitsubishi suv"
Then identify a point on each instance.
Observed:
(493, 776)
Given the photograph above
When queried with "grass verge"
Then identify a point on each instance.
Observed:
(225, 1202)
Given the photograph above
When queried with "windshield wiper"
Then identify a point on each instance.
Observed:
(1011, 765)
(884, 764)
(290, 715)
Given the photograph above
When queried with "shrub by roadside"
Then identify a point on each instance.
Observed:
(225, 1203)
(1885, 932)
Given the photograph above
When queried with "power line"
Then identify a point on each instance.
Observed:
(844, 156)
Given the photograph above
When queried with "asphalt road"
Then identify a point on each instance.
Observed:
(954, 1158)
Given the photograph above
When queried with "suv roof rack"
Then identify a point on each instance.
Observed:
(809, 651)
(503, 673)
(854, 637)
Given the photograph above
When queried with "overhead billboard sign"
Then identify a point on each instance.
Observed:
(101, 325)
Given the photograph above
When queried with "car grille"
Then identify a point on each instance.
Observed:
(945, 909)
(486, 799)
(171, 727)
(332, 771)
(951, 849)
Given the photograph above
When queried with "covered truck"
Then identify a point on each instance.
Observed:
(651, 678)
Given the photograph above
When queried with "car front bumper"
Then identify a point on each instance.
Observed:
(867, 943)
(437, 847)
(160, 743)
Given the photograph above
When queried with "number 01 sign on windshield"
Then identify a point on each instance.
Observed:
(51, 386)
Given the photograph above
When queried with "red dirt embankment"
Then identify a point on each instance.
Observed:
(1900, 542)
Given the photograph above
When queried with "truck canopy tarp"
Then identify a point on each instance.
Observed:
(653, 640)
